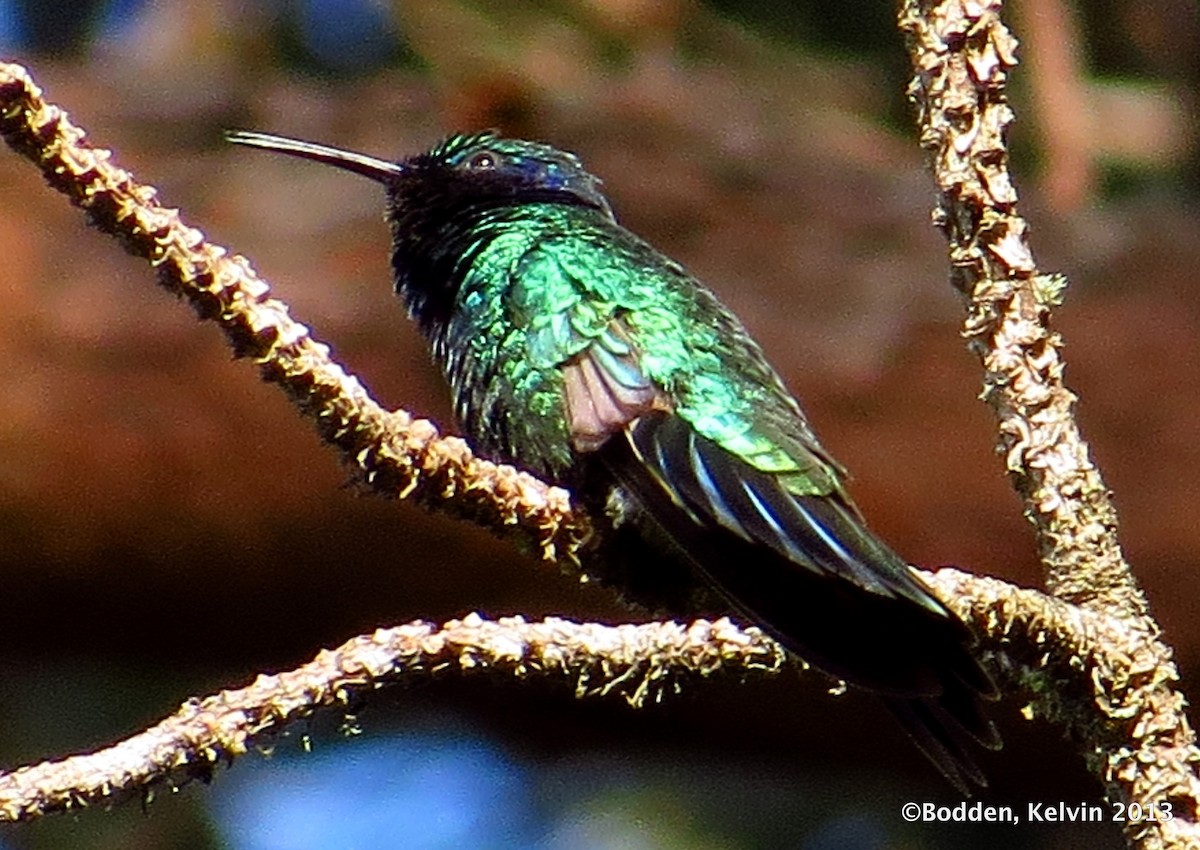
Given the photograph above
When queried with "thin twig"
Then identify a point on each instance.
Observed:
(639, 663)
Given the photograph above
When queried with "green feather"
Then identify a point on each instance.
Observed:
(551, 285)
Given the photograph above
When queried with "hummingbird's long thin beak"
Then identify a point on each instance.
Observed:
(368, 166)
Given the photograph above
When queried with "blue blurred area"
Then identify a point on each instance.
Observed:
(445, 787)
(346, 36)
(423, 792)
(45, 27)
(851, 831)
(339, 36)
(117, 18)
(52, 28)
(10, 27)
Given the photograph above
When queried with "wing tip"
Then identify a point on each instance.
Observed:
(940, 738)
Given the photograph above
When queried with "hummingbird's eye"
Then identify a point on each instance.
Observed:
(483, 161)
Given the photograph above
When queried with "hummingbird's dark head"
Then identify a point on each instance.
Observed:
(486, 169)
(447, 204)
(444, 204)
(465, 170)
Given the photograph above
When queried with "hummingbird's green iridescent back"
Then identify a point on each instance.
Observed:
(561, 280)
(576, 350)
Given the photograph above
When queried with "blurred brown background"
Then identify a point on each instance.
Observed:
(168, 526)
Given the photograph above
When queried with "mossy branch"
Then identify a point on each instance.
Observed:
(640, 663)
(1131, 725)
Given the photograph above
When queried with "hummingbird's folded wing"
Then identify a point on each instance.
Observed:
(666, 390)
(809, 573)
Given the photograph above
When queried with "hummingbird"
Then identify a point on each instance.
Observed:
(577, 351)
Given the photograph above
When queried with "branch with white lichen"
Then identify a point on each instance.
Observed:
(640, 663)
(1036, 639)
(1131, 726)
(1087, 656)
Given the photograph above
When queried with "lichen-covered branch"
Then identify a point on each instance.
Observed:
(962, 54)
(639, 663)
(395, 453)
(1113, 687)
(1131, 723)
(1038, 644)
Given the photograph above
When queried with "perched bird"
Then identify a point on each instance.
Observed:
(577, 351)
